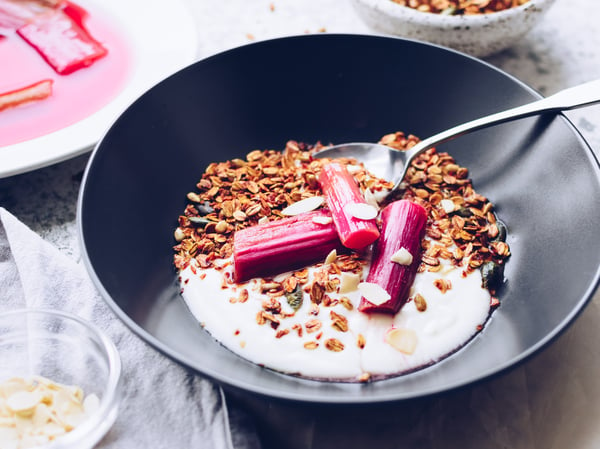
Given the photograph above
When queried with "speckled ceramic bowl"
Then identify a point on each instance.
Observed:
(478, 35)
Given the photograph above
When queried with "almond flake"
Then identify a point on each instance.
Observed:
(331, 257)
(179, 234)
(91, 403)
(362, 211)
(349, 282)
(447, 205)
(37, 411)
(370, 198)
(373, 293)
(403, 340)
(23, 402)
(353, 169)
(402, 257)
(305, 205)
(322, 220)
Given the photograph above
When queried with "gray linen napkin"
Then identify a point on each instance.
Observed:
(163, 405)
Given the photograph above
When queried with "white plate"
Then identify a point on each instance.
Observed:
(163, 39)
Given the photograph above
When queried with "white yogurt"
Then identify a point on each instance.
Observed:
(449, 321)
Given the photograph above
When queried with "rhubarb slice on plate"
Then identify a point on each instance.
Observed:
(33, 92)
(62, 40)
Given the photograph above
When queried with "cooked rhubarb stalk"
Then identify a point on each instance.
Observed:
(61, 41)
(354, 219)
(396, 257)
(33, 92)
(282, 245)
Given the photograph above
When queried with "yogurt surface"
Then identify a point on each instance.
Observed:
(450, 319)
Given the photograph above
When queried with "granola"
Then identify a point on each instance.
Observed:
(316, 306)
(461, 7)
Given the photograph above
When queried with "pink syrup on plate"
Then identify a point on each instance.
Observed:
(74, 96)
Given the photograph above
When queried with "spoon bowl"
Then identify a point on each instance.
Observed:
(391, 164)
(381, 160)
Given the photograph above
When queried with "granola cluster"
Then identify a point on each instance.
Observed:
(461, 7)
(463, 229)
(235, 194)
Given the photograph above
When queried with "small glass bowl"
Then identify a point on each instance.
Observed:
(67, 350)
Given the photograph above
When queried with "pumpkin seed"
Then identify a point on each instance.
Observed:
(464, 212)
(295, 298)
(492, 275)
(502, 230)
(201, 221)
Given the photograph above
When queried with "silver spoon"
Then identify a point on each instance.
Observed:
(391, 164)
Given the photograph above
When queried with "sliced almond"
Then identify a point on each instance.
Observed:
(23, 424)
(331, 257)
(370, 198)
(91, 404)
(349, 282)
(353, 169)
(362, 211)
(373, 293)
(39, 410)
(447, 268)
(305, 205)
(179, 235)
(322, 220)
(401, 339)
(23, 402)
(52, 430)
(447, 205)
(12, 386)
(41, 415)
(402, 257)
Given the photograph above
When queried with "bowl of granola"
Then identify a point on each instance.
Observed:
(479, 28)
(212, 231)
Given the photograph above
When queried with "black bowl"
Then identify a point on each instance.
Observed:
(539, 172)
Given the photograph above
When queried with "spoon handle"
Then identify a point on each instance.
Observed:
(574, 97)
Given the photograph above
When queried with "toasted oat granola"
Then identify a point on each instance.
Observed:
(461, 7)
(462, 231)
(235, 194)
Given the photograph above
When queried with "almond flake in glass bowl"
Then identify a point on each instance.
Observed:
(41, 410)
